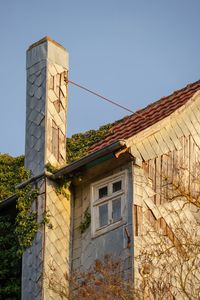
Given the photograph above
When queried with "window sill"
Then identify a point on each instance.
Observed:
(108, 228)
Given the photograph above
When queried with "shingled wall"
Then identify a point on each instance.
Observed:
(46, 106)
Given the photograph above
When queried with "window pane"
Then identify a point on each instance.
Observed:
(103, 192)
(117, 186)
(116, 209)
(103, 215)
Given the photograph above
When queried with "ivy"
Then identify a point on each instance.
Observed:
(47, 219)
(10, 262)
(12, 172)
(86, 221)
(63, 187)
(17, 234)
(26, 220)
(50, 168)
(79, 144)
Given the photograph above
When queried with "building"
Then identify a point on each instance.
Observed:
(119, 183)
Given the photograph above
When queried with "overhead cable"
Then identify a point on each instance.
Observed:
(98, 95)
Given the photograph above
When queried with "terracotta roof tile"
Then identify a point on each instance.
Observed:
(151, 114)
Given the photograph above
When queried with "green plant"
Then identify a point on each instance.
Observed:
(26, 220)
(104, 280)
(86, 221)
(50, 168)
(47, 219)
(78, 144)
(63, 187)
(12, 172)
(10, 261)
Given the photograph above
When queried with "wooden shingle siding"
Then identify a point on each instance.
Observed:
(135, 220)
(171, 154)
(165, 136)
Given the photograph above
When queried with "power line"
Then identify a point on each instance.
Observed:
(98, 95)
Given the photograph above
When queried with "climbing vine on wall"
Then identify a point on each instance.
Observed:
(63, 187)
(26, 220)
(62, 184)
(86, 221)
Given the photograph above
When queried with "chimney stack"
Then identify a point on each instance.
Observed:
(46, 105)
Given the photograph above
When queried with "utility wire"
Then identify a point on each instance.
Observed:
(100, 96)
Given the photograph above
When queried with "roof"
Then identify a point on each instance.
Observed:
(146, 117)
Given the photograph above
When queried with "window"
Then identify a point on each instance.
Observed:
(108, 203)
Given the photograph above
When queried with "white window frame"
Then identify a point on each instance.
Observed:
(96, 202)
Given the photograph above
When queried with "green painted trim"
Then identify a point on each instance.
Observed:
(98, 161)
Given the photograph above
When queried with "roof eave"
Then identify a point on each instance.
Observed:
(89, 158)
(8, 202)
(66, 169)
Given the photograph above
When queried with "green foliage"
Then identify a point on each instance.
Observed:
(12, 172)
(17, 235)
(62, 187)
(26, 220)
(50, 168)
(86, 221)
(10, 262)
(78, 144)
(47, 219)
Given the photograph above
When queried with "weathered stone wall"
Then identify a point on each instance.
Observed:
(86, 249)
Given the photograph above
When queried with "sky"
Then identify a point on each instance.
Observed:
(132, 51)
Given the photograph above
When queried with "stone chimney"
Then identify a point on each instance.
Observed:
(46, 105)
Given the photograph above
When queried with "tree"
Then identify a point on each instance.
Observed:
(12, 172)
(104, 281)
(10, 262)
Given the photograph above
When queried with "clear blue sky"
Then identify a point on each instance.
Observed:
(131, 51)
